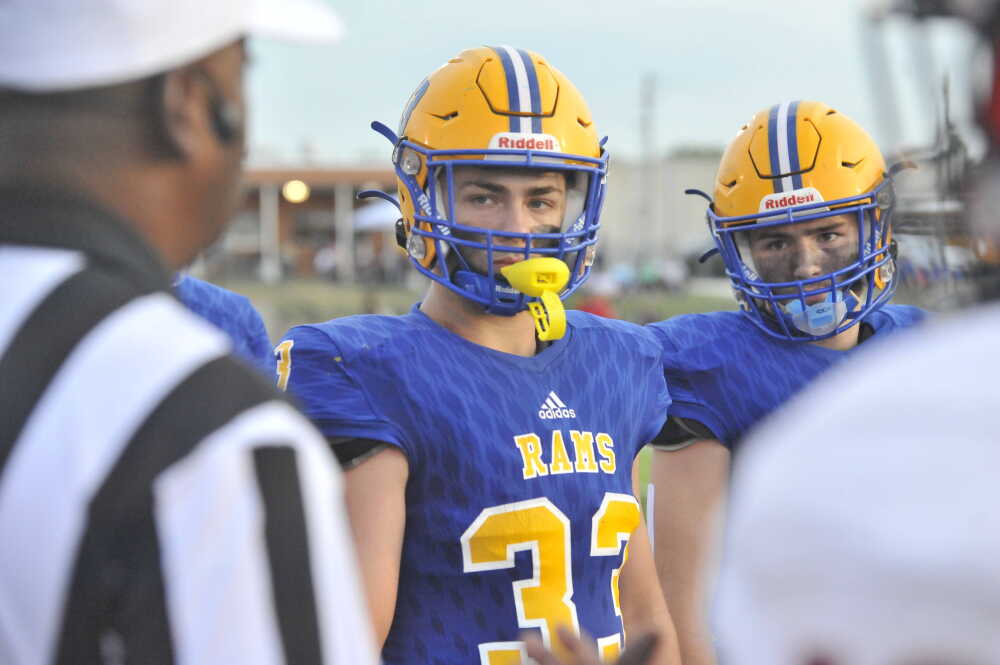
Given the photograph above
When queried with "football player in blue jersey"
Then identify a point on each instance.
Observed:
(231, 313)
(801, 214)
(490, 435)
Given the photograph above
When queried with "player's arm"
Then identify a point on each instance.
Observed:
(690, 484)
(258, 343)
(312, 367)
(644, 609)
(376, 504)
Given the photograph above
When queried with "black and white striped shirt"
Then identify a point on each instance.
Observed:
(159, 503)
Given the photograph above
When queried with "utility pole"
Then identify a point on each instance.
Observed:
(648, 164)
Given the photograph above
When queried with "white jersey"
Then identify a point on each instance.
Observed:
(159, 501)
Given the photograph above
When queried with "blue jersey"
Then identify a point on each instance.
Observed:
(519, 499)
(233, 314)
(727, 374)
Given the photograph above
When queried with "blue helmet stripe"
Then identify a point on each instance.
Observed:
(513, 94)
(536, 98)
(412, 104)
(772, 147)
(793, 145)
(783, 146)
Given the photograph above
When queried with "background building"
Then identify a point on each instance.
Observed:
(308, 222)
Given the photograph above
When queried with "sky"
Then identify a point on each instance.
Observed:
(714, 62)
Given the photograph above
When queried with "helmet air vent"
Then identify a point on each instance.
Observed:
(447, 116)
(851, 165)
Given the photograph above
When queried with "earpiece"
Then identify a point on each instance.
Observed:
(225, 116)
(227, 120)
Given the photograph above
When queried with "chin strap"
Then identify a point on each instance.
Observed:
(504, 300)
(543, 278)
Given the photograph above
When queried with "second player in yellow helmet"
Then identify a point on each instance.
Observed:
(801, 212)
(796, 163)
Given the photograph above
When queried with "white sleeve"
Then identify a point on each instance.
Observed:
(257, 560)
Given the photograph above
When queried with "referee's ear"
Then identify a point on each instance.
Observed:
(181, 115)
(201, 123)
(201, 108)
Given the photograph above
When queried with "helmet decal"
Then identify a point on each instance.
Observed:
(415, 98)
(783, 144)
(517, 140)
(795, 197)
(522, 89)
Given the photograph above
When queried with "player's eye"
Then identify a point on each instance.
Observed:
(479, 199)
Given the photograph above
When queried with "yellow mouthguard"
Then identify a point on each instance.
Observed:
(542, 277)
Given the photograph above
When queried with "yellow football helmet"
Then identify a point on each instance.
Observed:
(495, 107)
(793, 165)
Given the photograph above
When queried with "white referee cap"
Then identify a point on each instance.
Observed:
(871, 552)
(57, 45)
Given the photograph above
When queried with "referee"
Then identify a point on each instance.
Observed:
(158, 502)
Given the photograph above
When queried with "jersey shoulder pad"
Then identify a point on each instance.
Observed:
(231, 313)
(360, 337)
(200, 295)
(332, 369)
(893, 317)
(706, 335)
(640, 339)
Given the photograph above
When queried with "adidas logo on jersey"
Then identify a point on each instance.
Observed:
(553, 408)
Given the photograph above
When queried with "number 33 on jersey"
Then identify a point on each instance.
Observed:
(546, 600)
(519, 493)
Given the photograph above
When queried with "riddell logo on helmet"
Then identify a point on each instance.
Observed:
(519, 141)
(798, 197)
(788, 201)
